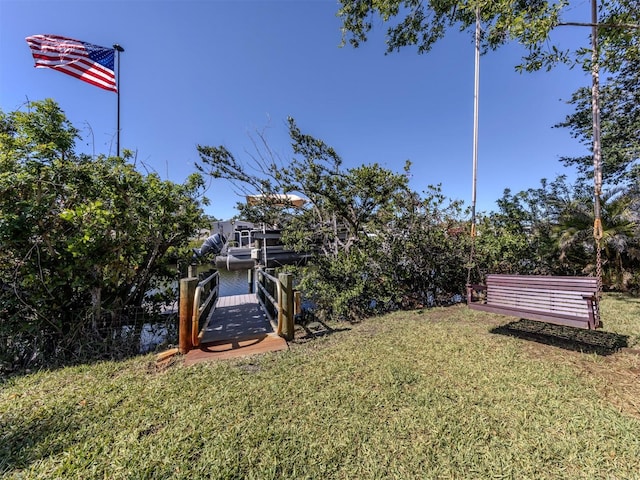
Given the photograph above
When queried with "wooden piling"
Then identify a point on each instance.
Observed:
(286, 306)
(251, 279)
(187, 292)
(297, 302)
(193, 271)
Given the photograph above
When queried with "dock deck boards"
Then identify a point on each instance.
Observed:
(237, 327)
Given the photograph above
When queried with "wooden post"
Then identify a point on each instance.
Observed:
(187, 291)
(280, 310)
(250, 279)
(297, 303)
(259, 277)
(271, 287)
(286, 306)
(193, 271)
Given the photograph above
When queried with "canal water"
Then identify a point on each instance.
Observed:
(233, 283)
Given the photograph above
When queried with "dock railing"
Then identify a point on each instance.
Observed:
(277, 299)
(197, 298)
(205, 298)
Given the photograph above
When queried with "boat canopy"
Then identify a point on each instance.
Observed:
(278, 199)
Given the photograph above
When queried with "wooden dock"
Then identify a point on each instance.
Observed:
(237, 327)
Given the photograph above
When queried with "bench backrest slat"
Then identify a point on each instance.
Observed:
(561, 295)
(539, 281)
(578, 309)
(538, 292)
(562, 300)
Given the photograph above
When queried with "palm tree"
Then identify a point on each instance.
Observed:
(620, 241)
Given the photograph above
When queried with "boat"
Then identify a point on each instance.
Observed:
(256, 246)
(244, 245)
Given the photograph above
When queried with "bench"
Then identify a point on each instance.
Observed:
(571, 301)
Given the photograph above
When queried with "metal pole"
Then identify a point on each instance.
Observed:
(118, 49)
(476, 106)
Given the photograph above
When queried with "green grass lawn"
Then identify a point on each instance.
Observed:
(441, 393)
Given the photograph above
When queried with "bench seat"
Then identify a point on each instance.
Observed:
(571, 301)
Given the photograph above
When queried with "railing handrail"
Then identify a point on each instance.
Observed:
(198, 309)
(191, 312)
(274, 301)
(282, 304)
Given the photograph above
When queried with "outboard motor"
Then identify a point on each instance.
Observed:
(213, 244)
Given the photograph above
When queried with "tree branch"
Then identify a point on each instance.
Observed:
(599, 25)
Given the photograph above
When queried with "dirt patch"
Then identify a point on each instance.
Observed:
(249, 366)
(164, 361)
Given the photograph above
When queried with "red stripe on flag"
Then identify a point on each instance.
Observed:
(71, 57)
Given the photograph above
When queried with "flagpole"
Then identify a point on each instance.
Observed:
(476, 96)
(118, 49)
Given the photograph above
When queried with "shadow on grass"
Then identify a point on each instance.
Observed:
(26, 443)
(22, 353)
(568, 338)
(315, 327)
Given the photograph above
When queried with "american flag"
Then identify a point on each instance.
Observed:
(90, 63)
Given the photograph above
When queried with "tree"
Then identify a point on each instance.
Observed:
(341, 211)
(529, 22)
(422, 250)
(422, 24)
(42, 133)
(549, 231)
(516, 239)
(615, 48)
(524, 235)
(83, 239)
(620, 125)
(379, 245)
(618, 56)
(620, 241)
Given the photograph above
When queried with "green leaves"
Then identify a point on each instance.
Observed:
(422, 24)
(46, 132)
(620, 126)
(81, 237)
(549, 231)
(373, 236)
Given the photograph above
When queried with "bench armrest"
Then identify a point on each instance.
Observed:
(478, 287)
(474, 287)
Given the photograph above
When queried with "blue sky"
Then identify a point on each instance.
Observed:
(217, 72)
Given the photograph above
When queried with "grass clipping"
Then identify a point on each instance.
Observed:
(433, 394)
